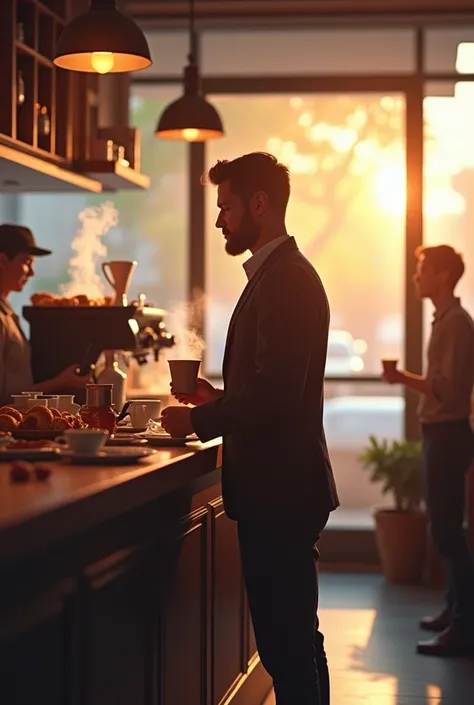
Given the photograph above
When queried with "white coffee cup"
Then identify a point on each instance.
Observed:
(66, 403)
(52, 400)
(36, 401)
(138, 415)
(20, 401)
(184, 374)
(142, 410)
(85, 441)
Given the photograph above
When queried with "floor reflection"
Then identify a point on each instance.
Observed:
(371, 631)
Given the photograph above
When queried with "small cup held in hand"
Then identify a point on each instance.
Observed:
(389, 365)
(184, 374)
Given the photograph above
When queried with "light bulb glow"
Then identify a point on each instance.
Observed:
(190, 134)
(102, 61)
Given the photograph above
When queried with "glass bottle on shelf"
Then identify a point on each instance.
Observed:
(20, 32)
(44, 122)
(20, 89)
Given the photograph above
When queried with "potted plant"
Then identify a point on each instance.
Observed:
(400, 531)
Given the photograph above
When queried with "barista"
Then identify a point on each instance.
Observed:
(18, 250)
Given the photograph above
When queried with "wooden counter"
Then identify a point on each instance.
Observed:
(123, 585)
(76, 497)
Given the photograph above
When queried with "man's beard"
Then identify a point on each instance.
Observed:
(242, 239)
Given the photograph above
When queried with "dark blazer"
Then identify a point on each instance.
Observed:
(275, 459)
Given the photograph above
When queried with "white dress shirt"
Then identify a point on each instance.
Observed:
(254, 263)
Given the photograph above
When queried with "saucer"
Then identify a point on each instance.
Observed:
(158, 439)
(129, 429)
(26, 434)
(31, 454)
(125, 440)
(109, 456)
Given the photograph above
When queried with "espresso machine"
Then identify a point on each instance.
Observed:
(61, 336)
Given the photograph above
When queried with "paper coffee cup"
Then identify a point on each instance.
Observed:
(184, 374)
(389, 365)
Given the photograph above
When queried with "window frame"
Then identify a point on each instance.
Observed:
(412, 86)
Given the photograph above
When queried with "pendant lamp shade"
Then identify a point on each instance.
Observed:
(190, 118)
(102, 40)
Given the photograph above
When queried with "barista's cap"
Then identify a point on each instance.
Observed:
(16, 239)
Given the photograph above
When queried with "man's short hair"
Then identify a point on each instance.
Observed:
(443, 258)
(256, 171)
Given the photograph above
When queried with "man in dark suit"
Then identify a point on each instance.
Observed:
(276, 476)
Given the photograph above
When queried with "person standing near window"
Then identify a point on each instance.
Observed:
(18, 250)
(277, 479)
(447, 441)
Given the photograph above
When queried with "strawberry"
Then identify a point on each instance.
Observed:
(20, 471)
(42, 472)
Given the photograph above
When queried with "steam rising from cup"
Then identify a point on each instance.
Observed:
(185, 357)
(185, 320)
(96, 221)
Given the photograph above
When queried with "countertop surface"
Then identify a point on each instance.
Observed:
(75, 497)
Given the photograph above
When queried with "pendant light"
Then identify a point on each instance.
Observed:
(102, 40)
(190, 118)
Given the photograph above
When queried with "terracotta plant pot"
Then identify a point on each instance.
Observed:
(401, 541)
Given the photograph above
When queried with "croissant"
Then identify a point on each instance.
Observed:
(61, 424)
(38, 418)
(8, 423)
(43, 298)
(11, 411)
(82, 300)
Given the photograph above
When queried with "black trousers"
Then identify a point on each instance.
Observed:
(448, 450)
(279, 560)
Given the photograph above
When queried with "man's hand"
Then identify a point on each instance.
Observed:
(393, 376)
(70, 379)
(203, 394)
(176, 420)
(418, 383)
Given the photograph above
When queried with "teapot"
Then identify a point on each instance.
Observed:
(99, 411)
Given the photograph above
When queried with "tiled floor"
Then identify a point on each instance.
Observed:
(371, 630)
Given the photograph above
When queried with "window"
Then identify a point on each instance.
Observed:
(353, 412)
(307, 51)
(346, 154)
(442, 53)
(152, 228)
(152, 224)
(449, 179)
(347, 210)
(169, 51)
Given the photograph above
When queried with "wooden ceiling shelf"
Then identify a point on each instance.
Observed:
(42, 112)
(114, 176)
(22, 171)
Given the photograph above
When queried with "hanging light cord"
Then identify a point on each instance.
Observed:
(192, 58)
